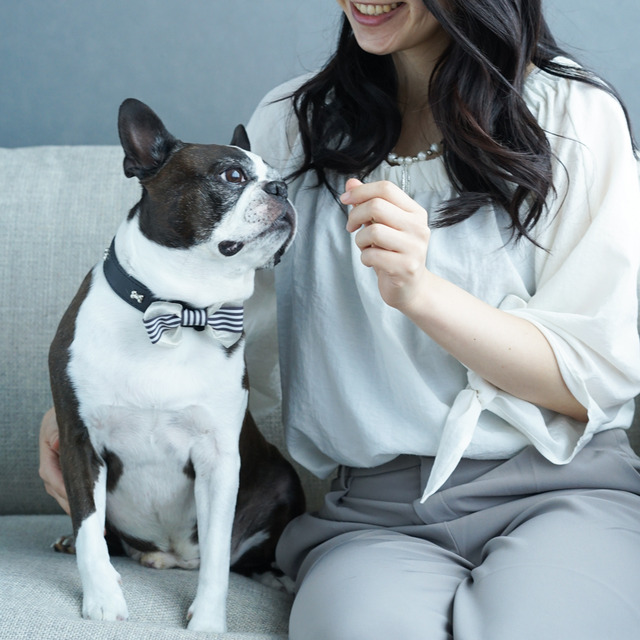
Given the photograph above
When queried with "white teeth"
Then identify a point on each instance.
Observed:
(375, 9)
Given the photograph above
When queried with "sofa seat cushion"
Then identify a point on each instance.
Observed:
(42, 596)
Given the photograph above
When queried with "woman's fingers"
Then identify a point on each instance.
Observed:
(381, 201)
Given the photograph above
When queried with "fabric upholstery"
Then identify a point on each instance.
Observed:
(41, 594)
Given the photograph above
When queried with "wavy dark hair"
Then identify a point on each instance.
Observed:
(495, 152)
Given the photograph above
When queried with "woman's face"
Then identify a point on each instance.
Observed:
(384, 28)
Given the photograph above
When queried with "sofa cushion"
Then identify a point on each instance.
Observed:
(42, 597)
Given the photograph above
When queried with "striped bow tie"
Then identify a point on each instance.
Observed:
(164, 321)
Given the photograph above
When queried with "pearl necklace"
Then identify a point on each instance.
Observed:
(405, 161)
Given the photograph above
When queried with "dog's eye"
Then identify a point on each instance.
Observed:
(234, 175)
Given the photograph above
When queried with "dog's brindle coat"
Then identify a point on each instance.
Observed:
(156, 443)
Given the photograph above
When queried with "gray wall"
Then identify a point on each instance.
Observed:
(202, 65)
(605, 37)
(65, 65)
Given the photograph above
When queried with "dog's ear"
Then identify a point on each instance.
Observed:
(240, 138)
(146, 143)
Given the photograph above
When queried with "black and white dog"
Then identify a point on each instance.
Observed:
(149, 380)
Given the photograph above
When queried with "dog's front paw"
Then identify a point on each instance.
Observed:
(206, 619)
(105, 601)
(105, 606)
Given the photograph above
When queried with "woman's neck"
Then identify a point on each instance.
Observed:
(414, 69)
(419, 130)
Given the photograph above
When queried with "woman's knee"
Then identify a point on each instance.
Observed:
(569, 570)
(332, 601)
(326, 608)
(376, 586)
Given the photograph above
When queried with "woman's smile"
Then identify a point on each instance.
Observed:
(373, 14)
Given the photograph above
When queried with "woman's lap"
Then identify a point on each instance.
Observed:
(571, 569)
(562, 563)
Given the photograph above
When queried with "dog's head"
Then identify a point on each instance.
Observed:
(222, 198)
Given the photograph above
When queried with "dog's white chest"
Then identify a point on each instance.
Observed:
(114, 364)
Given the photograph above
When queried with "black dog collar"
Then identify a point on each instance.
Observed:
(132, 291)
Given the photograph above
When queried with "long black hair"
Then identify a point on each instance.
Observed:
(495, 152)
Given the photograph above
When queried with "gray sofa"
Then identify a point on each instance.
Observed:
(59, 207)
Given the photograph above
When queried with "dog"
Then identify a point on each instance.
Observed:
(149, 381)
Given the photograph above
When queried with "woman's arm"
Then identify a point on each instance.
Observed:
(509, 352)
(50, 471)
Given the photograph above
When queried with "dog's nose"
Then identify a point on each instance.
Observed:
(276, 188)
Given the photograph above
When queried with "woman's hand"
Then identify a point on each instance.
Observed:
(50, 470)
(392, 231)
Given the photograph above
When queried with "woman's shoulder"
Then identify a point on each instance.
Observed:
(564, 104)
(594, 160)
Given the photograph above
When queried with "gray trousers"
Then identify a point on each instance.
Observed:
(516, 549)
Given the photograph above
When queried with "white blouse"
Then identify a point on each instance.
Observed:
(362, 384)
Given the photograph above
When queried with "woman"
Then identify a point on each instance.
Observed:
(457, 330)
